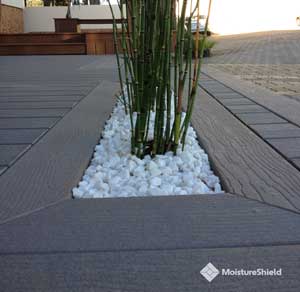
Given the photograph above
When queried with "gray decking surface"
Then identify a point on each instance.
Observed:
(279, 131)
(35, 93)
(49, 242)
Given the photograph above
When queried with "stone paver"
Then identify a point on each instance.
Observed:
(267, 59)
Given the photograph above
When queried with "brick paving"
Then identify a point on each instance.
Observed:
(267, 59)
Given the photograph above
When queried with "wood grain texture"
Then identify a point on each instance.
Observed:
(227, 95)
(37, 105)
(49, 171)
(150, 270)
(290, 147)
(261, 118)
(236, 101)
(296, 161)
(277, 130)
(9, 153)
(40, 98)
(2, 169)
(32, 113)
(246, 164)
(239, 109)
(168, 222)
(20, 136)
(279, 104)
(27, 123)
(29, 93)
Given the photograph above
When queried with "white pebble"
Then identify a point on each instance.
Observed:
(115, 172)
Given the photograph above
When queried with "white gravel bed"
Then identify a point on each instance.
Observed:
(114, 172)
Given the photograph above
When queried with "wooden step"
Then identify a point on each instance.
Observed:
(42, 49)
(31, 38)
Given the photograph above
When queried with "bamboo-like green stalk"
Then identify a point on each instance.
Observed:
(154, 68)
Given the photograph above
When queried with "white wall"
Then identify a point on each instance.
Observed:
(14, 3)
(41, 19)
(227, 16)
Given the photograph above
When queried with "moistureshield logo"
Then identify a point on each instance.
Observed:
(210, 272)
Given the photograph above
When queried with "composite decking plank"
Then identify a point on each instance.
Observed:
(296, 161)
(168, 222)
(238, 109)
(228, 95)
(247, 165)
(290, 147)
(16, 113)
(27, 123)
(2, 168)
(9, 153)
(20, 136)
(236, 101)
(261, 118)
(277, 130)
(42, 93)
(45, 98)
(280, 104)
(37, 105)
(151, 270)
(48, 171)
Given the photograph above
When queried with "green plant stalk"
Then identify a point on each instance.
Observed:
(168, 77)
(181, 76)
(117, 55)
(196, 79)
(147, 42)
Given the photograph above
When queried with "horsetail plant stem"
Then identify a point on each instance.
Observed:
(156, 47)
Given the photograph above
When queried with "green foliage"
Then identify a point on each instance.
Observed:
(208, 45)
(157, 74)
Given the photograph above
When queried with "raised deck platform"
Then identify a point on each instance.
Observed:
(88, 43)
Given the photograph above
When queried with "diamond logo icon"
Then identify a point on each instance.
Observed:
(209, 272)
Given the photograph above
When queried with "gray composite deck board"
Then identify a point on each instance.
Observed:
(27, 123)
(281, 132)
(2, 168)
(37, 105)
(8, 153)
(150, 270)
(44, 98)
(290, 147)
(246, 109)
(177, 222)
(296, 161)
(227, 96)
(20, 136)
(44, 93)
(236, 101)
(32, 113)
(48, 172)
(261, 118)
(277, 130)
(50, 242)
(246, 164)
(280, 104)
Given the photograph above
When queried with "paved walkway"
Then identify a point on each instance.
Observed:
(262, 71)
(50, 242)
(267, 59)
